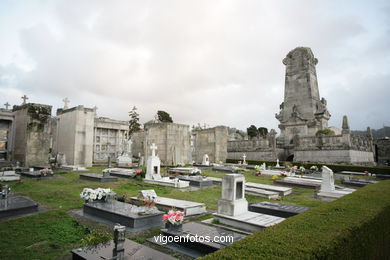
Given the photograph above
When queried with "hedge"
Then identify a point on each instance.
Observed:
(356, 226)
(334, 167)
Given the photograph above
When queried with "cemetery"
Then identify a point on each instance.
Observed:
(100, 201)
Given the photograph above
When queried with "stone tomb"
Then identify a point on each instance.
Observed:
(153, 175)
(185, 170)
(105, 177)
(31, 173)
(14, 205)
(9, 176)
(276, 209)
(328, 188)
(131, 216)
(188, 208)
(119, 249)
(358, 182)
(197, 181)
(233, 207)
(225, 168)
(121, 172)
(300, 182)
(282, 191)
(197, 248)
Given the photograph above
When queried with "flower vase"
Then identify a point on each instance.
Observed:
(173, 227)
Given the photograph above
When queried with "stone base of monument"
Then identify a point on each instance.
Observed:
(249, 221)
(132, 250)
(97, 177)
(188, 245)
(188, 208)
(15, 205)
(276, 209)
(197, 181)
(282, 191)
(9, 176)
(125, 214)
(166, 181)
(261, 193)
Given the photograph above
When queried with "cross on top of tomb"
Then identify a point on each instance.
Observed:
(153, 147)
(7, 105)
(66, 101)
(24, 99)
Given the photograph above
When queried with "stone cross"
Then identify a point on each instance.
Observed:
(153, 148)
(66, 101)
(7, 105)
(244, 157)
(24, 99)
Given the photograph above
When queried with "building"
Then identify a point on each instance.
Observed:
(6, 135)
(110, 139)
(33, 136)
(210, 141)
(172, 141)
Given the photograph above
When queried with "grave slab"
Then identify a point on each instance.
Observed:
(121, 172)
(283, 191)
(97, 177)
(35, 174)
(197, 181)
(249, 221)
(198, 248)
(15, 205)
(9, 176)
(132, 251)
(188, 208)
(276, 209)
(261, 193)
(358, 182)
(123, 213)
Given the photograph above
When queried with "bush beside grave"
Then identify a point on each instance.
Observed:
(334, 167)
(353, 227)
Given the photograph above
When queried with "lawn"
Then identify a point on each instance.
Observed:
(52, 233)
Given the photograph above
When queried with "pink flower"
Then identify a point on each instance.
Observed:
(165, 217)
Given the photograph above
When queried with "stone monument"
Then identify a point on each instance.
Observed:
(233, 200)
(153, 165)
(244, 159)
(206, 161)
(328, 188)
(125, 159)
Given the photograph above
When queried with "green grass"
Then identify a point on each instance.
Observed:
(52, 233)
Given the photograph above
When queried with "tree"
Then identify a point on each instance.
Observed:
(164, 117)
(252, 131)
(134, 124)
(263, 131)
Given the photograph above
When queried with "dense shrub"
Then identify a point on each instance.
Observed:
(353, 227)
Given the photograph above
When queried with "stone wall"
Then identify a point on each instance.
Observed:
(32, 134)
(211, 141)
(75, 135)
(265, 155)
(172, 141)
(137, 146)
(335, 156)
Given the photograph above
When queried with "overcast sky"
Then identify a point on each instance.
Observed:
(213, 62)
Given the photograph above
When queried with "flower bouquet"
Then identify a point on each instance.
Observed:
(46, 172)
(173, 220)
(98, 194)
